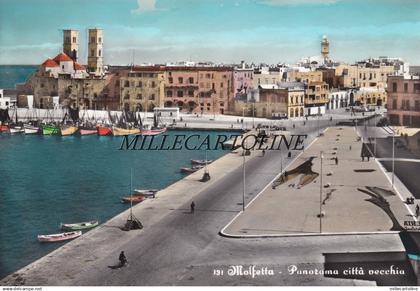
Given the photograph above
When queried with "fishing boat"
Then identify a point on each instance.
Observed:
(134, 198)
(103, 130)
(79, 226)
(59, 236)
(30, 129)
(201, 162)
(50, 129)
(16, 129)
(118, 131)
(192, 169)
(68, 130)
(149, 192)
(4, 128)
(85, 130)
(156, 131)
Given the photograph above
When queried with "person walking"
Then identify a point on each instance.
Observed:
(336, 161)
(192, 206)
(123, 259)
(417, 211)
(263, 153)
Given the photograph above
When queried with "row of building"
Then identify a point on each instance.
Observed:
(311, 87)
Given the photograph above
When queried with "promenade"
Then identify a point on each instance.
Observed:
(356, 195)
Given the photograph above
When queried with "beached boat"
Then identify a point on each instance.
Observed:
(50, 129)
(4, 128)
(117, 131)
(87, 130)
(201, 162)
(103, 130)
(59, 236)
(148, 192)
(68, 130)
(30, 129)
(192, 169)
(80, 225)
(136, 198)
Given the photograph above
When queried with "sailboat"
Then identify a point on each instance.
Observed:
(125, 125)
(132, 221)
(70, 129)
(31, 126)
(50, 128)
(105, 129)
(4, 118)
(87, 128)
(17, 127)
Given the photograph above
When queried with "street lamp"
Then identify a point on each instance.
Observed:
(393, 156)
(243, 170)
(320, 195)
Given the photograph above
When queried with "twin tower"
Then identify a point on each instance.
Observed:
(95, 64)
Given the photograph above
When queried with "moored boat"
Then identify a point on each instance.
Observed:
(156, 131)
(30, 129)
(59, 236)
(192, 169)
(103, 130)
(68, 130)
(117, 131)
(87, 131)
(4, 128)
(80, 225)
(16, 129)
(136, 198)
(148, 192)
(50, 130)
(201, 162)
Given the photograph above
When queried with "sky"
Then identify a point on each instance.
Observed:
(221, 31)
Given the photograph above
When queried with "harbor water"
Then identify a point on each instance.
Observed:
(45, 181)
(10, 75)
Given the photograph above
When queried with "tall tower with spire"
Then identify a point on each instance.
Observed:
(325, 48)
(71, 43)
(95, 51)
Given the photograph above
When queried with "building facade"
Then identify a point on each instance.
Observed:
(95, 64)
(404, 100)
(317, 96)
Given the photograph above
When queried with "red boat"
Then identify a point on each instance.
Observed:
(136, 198)
(103, 130)
(4, 128)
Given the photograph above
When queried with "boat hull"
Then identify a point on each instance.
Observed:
(16, 130)
(116, 131)
(29, 129)
(153, 131)
(84, 131)
(79, 226)
(59, 236)
(103, 131)
(68, 130)
(50, 130)
(201, 162)
(133, 199)
(4, 128)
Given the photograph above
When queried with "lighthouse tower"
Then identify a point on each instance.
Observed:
(95, 52)
(325, 48)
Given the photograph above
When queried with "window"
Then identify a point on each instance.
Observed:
(126, 83)
(190, 93)
(394, 87)
(221, 85)
(180, 93)
(92, 39)
(171, 80)
(99, 53)
(180, 80)
(74, 39)
(92, 52)
(153, 84)
(140, 84)
(405, 87)
(191, 80)
(394, 104)
(152, 97)
(62, 67)
(139, 96)
(100, 40)
(169, 93)
(67, 39)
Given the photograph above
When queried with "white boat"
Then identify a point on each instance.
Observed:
(146, 192)
(59, 236)
(30, 129)
(16, 129)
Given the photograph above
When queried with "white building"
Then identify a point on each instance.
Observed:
(338, 99)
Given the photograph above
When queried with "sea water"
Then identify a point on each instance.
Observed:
(48, 180)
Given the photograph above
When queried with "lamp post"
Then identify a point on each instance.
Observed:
(243, 171)
(320, 195)
(393, 156)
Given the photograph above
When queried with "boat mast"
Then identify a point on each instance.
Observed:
(131, 193)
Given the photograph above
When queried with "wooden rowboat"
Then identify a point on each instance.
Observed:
(136, 198)
(201, 162)
(153, 131)
(59, 236)
(117, 131)
(148, 192)
(80, 225)
(192, 169)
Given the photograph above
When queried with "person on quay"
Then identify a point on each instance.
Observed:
(192, 206)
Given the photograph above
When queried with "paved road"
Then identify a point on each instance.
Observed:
(406, 171)
(185, 249)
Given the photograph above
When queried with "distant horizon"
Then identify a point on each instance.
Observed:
(223, 31)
